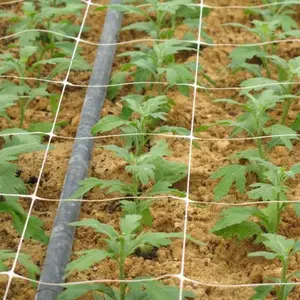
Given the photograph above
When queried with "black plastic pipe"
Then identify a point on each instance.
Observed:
(62, 235)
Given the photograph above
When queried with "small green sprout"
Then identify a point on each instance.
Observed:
(10, 183)
(155, 64)
(151, 175)
(162, 18)
(282, 249)
(140, 115)
(24, 259)
(118, 247)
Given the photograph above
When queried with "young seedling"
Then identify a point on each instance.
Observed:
(288, 72)
(151, 175)
(281, 11)
(119, 246)
(44, 15)
(282, 249)
(256, 122)
(155, 64)
(252, 58)
(271, 180)
(24, 259)
(24, 92)
(140, 115)
(10, 183)
(162, 18)
(238, 221)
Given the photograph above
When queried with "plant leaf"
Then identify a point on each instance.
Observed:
(230, 174)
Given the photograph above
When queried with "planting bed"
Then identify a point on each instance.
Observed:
(215, 270)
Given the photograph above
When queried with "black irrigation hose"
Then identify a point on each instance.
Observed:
(61, 240)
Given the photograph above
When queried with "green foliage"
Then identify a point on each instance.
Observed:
(256, 122)
(144, 168)
(140, 115)
(25, 260)
(155, 64)
(24, 92)
(267, 32)
(142, 290)
(282, 249)
(37, 51)
(272, 187)
(162, 18)
(151, 175)
(288, 72)
(10, 183)
(118, 247)
(13, 147)
(282, 12)
(45, 15)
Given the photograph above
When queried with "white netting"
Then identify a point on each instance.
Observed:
(191, 138)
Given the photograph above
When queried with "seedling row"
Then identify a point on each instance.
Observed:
(243, 221)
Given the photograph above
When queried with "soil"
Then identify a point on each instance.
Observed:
(220, 261)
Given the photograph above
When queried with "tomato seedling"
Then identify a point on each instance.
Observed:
(282, 12)
(140, 115)
(156, 64)
(10, 183)
(162, 18)
(24, 259)
(24, 92)
(44, 15)
(282, 249)
(144, 169)
(118, 247)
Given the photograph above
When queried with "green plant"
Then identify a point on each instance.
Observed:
(238, 221)
(287, 71)
(252, 58)
(24, 92)
(282, 11)
(256, 122)
(118, 247)
(282, 249)
(151, 175)
(140, 115)
(158, 64)
(163, 17)
(270, 180)
(10, 183)
(44, 15)
(24, 259)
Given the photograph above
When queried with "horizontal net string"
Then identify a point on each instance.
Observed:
(174, 136)
(190, 4)
(218, 6)
(67, 83)
(85, 41)
(11, 2)
(155, 198)
(167, 276)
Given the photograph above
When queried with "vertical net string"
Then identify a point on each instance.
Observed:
(51, 135)
(191, 138)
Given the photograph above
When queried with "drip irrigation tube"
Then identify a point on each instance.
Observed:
(61, 240)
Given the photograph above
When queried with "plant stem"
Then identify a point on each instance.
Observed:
(265, 63)
(121, 268)
(22, 112)
(282, 294)
(286, 109)
(260, 148)
(278, 212)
